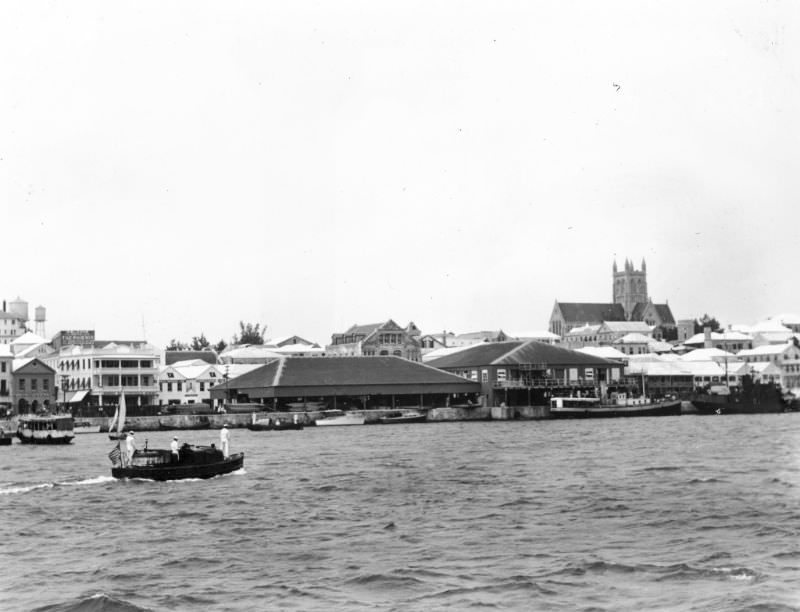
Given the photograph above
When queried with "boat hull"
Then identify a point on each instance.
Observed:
(273, 427)
(181, 472)
(421, 418)
(6, 440)
(722, 405)
(25, 439)
(671, 408)
(341, 421)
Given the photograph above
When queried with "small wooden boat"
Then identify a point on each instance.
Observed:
(161, 464)
(338, 417)
(45, 429)
(6, 437)
(408, 416)
(82, 427)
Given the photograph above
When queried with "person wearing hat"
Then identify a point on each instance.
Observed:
(130, 446)
(174, 447)
(225, 440)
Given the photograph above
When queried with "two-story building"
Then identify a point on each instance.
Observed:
(377, 339)
(188, 382)
(34, 386)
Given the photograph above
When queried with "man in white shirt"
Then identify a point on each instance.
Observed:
(130, 448)
(225, 440)
(174, 448)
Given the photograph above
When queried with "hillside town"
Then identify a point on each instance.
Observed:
(631, 340)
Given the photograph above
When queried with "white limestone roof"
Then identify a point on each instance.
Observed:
(647, 357)
(658, 368)
(770, 325)
(5, 350)
(765, 367)
(535, 335)
(29, 338)
(251, 351)
(441, 352)
(19, 363)
(659, 346)
(583, 329)
(722, 336)
(306, 349)
(196, 371)
(606, 352)
(627, 326)
(766, 349)
(787, 318)
(633, 338)
(189, 362)
(706, 354)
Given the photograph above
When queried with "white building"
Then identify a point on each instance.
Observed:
(188, 382)
(96, 374)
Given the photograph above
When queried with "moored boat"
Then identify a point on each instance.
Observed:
(6, 437)
(750, 398)
(269, 425)
(620, 406)
(407, 416)
(339, 417)
(45, 429)
(161, 464)
(82, 427)
(118, 421)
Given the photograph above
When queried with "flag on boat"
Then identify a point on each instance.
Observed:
(115, 455)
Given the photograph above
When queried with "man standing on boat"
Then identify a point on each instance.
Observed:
(130, 447)
(225, 440)
(174, 448)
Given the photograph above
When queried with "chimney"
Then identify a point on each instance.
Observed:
(707, 337)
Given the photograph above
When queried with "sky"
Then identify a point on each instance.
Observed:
(172, 168)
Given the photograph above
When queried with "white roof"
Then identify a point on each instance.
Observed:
(606, 352)
(196, 371)
(765, 367)
(5, 350)
(658, 368)
(583, 329)
(441, 352)
(189, 362)
(29, 338)
(633, 338)
(254, 351)
(534, 335)
(766, 349)
(787, 318)
(627, 326)
(770, 325)
(659, 346)
(721, 336)
(706, 354)
(291, 349)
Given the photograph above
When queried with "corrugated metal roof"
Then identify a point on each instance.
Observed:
(517, 352)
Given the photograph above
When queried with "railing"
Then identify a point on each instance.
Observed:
(542, 383)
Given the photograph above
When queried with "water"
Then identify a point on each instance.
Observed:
(672, 513)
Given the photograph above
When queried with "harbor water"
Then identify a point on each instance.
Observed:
(671, 513)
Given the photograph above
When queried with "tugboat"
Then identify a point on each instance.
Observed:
(750, 398)
(45, 429)
(162, 464)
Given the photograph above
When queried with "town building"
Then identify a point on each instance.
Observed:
(377, 339)
(94, 375)
(6, 380)
(527, 373)
(630, 303)
(633, 344)
(731, 341)
(248, 354)
(206, 356)
(188, 382)
(346, 383)
(34, 386)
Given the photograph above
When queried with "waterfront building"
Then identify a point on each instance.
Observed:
(6, 379)
(785, 358)
(346, 383)
(630, 302)
(95, 374)
(188, 382)
(526, 373)
(377, 339)
(34, 385)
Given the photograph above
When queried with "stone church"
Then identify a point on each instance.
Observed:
(630, 303)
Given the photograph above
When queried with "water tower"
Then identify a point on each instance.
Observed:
(39, 319)
(19, 307)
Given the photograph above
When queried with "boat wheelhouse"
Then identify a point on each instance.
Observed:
(45, 429)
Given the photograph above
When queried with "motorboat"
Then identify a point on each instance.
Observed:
(405, 416)
(339, 417)
(45, 429)
(161, 464)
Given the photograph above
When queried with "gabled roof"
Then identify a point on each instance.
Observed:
(363, 329)
(483, 335)
(606, 352)
(587, 312)
(766, 349)
(538, 334)
(340, 373)
(583, 329)
(29, 338)
(706, 354)
(171, 357)
(719, 336)
(633, 338)
(516, 353)
(626, 327)
(665, 313)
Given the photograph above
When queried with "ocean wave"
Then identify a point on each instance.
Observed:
(99, 602)
(663, 468)
(680, 571)
(385, 581)
(26, 488)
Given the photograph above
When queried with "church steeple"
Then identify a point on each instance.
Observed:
(630, 286)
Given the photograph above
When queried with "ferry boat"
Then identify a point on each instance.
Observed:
(161, 464)
(620, 406)
(339, 417)
(45, 429)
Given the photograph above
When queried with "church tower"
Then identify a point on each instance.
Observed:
(629, 286)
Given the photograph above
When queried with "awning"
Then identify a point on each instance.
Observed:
(76, 396)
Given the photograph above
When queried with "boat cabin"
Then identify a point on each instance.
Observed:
(573, 402)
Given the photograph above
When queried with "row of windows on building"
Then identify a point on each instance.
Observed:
(83, 364)
(179, 386)
(23, 384)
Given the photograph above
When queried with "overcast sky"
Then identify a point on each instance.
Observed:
(171, 168)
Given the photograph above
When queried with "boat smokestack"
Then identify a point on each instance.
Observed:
(707, 337)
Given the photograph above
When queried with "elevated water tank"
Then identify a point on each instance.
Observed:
(39, 318)
(19, 307)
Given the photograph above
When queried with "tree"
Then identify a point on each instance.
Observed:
(250, 334)
(220, 346)
(177, 345)
(199, 343)
(706, 321)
